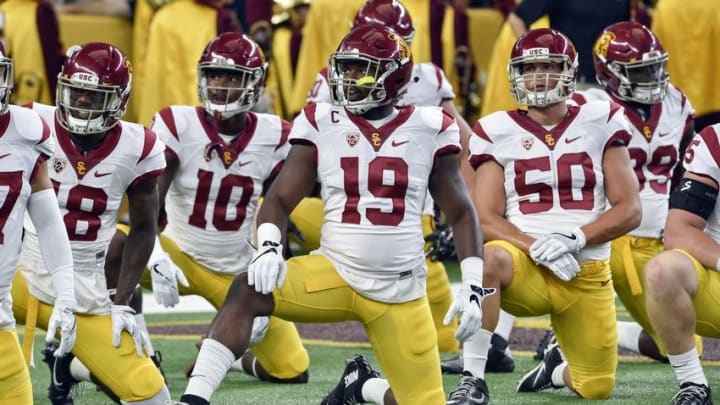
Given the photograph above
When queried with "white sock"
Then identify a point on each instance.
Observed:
(504, 325)
(213, 362)
(475, 352)
(374, 390)
(687, 367)
(629, 335)
(78, 370)
(142, 326)
(557, 375)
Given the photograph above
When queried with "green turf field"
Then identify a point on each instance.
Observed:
(638, 381)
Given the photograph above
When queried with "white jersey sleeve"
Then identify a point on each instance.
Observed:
(320, 90)
(702, 157)
(428, 86)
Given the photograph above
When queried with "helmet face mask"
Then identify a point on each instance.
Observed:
(93, 89)
(371, 68)
(631, 63)
(231, 75)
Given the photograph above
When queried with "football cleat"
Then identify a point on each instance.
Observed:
(61, 381)
(540, 378)
(692, 394)
(470, 390)
(452, 365)
(348, 390)
(188, 399)
(499, 359)
(547, 340)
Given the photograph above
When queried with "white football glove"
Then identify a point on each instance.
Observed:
(63, 318)
(123, 319)
(165, 277)
(468, 300)
(259, 328)
(565, 267)
(267, 268)
(551, 246)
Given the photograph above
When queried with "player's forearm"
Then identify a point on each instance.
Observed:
(499, 228)
(467, 234)
(617, 221)
(135, 256)
(696, 242)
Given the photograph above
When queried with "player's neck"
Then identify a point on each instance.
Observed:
(234, 125)
(551, 114)
(379, 112)
(87, 143)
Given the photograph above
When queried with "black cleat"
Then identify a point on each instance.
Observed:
(452, 365)
(470, 390)
(349, 390)
(61, 381)
(692, 394)
(499, 358)
(547, 340)
(540, 378)
(190, 400)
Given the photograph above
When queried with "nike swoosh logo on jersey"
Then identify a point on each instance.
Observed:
(663, 134)
(571, 140)
(98, 174)
(396, 143)
(241, 164)
(5, 155)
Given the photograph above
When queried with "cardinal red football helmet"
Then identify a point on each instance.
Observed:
(387, 13)
(631, 63)
(241, 61)
(6, 79)
(384, 58)
(543, 45)
(93, 88)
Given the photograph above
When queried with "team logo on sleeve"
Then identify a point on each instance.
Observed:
(352, 138)
(527, 142)
(58, 164)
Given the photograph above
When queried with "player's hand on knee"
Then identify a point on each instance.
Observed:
(267, 268)
(551, 246)
(63, 318)
(259, 328)
(565, 267)
(468, 301)
(165, 276)
(123, 319)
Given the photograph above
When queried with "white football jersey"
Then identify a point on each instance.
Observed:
(703, 157)
(25, 143)
(212, 200)
(654, 150)
(374, 182)
(90, 189)
(554, 178)
(428, 87)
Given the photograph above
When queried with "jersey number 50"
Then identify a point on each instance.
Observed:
(567, 165)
